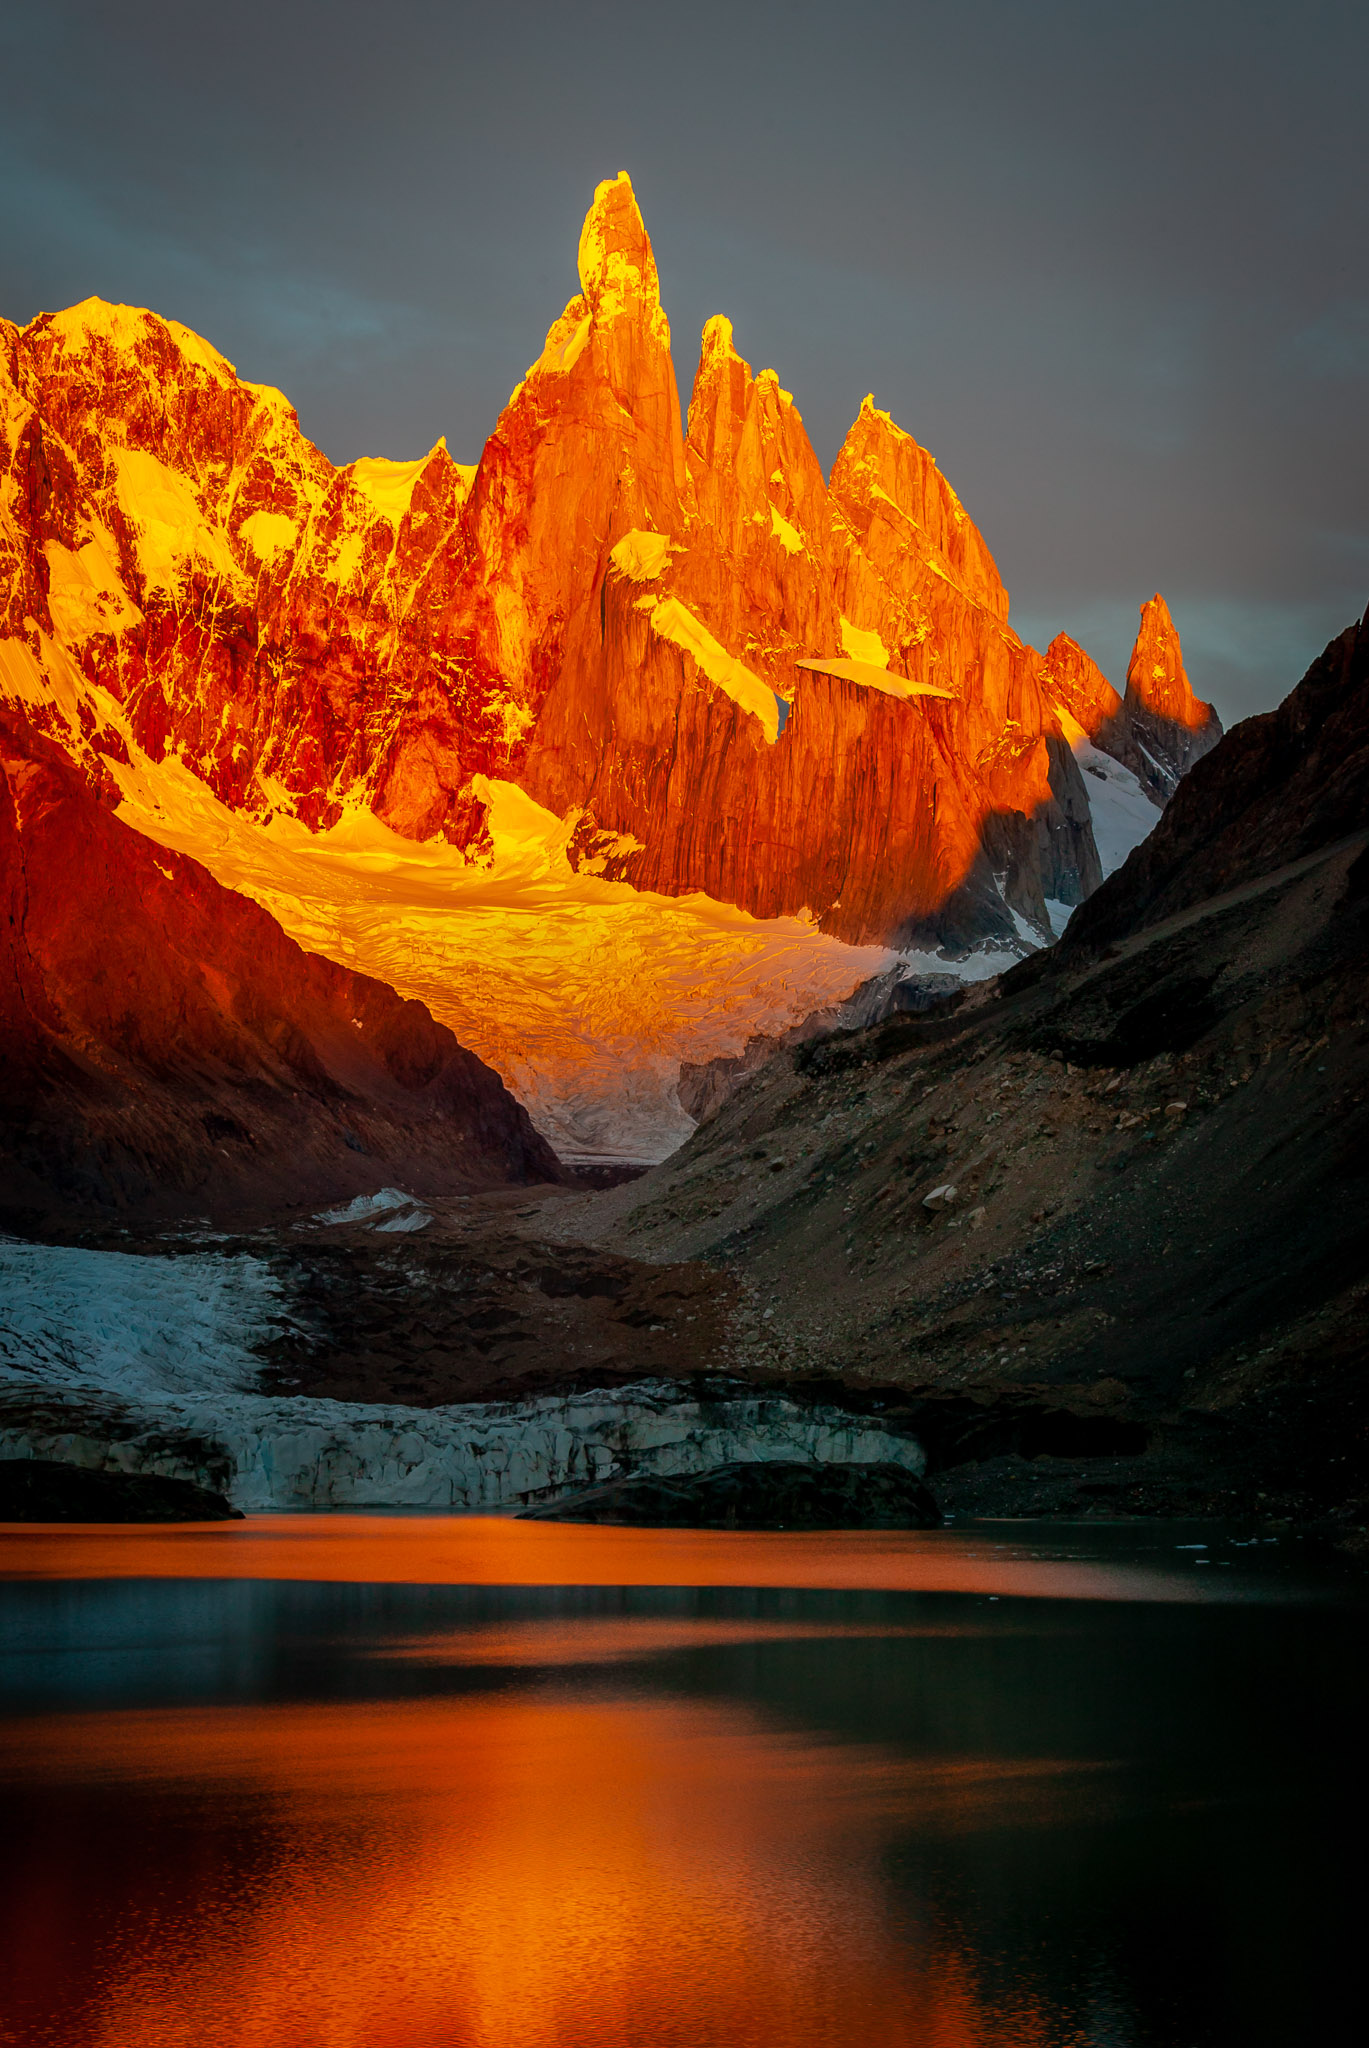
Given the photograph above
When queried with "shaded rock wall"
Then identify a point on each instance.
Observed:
(164, 1040)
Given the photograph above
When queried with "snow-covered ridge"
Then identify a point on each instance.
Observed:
(128, 1363)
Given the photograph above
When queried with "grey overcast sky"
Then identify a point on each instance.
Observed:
(1110, 263)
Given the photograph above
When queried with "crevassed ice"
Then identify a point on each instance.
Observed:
(584, 994)
(133, 1325)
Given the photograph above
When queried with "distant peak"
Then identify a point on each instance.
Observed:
(1156, 677)
(1079, 687)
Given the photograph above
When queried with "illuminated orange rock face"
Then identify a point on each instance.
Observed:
(1079, 686)
(1164, 727)
(884, 811)
(604, 611)
(250, 606)
(1156, 679)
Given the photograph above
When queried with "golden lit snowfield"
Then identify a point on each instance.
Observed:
(585, 995)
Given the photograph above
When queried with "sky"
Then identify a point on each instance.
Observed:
(1109, 263)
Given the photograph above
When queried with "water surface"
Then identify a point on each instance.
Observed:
(350, 1782)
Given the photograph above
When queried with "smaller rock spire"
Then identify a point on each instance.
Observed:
(1157, 680)
(1167, 727)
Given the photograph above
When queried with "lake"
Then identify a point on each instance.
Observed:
(389, 1782)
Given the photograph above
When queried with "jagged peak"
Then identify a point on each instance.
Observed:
(389, 486)
(719, 356)
(880, 460)
(874, 415)
(1065, 648)
(772, 378)
(874, 435)
(1156, 677)
(616, 263)
(721, 371)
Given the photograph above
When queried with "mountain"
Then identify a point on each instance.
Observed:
(1162, 728)
(716, 673)
(1098, 1235)
(1280, 789)
(1089, 1239)
(166, 1046)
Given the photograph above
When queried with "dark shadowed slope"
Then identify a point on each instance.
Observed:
(1148, 1285)
(1277, 788)
(166, 1046)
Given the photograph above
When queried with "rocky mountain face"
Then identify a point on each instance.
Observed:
(736, 677)
(1159, 729)
(1162, 728)
(1097, 1234)
(165, 1045)
(1280, 788)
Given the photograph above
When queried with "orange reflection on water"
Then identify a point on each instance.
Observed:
(515, 1872)
(621, 1639)
(490, 1551)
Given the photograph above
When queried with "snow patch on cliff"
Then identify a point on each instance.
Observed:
(85, 594)
(172, 534)
(1123, 814)
(863, 645)
(268, 534)
(387, 485)
(789, 537)
(867, 663)
(641, 556)
(676, 623)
